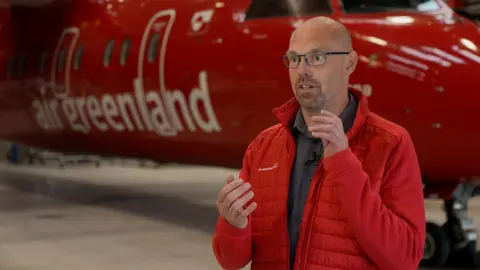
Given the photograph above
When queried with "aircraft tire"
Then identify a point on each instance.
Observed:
(437, 246)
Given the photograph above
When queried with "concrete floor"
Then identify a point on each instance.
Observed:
(50, 235)
(114, 217)
(107, 218)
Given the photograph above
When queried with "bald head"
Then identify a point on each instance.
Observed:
(326, 31)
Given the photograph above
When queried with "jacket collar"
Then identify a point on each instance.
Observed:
(287, 112)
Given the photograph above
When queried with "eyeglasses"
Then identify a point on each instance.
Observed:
(312, 58)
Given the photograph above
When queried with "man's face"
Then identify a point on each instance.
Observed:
(317, 87)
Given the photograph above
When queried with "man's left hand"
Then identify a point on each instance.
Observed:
(329, 128)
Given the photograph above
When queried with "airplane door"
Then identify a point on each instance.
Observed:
(62, 63)
(151, 69)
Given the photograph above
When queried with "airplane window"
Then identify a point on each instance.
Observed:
(107, 56)
(152, 47)
(11, 64)
(125, 51)
(61, 59)
(78, 57)
(277, 8)
(43, 61)
(389, 5)
(21, 61)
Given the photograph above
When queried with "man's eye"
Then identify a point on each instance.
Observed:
(318, 58)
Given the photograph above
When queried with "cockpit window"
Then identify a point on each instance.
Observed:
(278, 8)
(389, 5)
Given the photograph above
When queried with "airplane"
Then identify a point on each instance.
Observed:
(194, 81)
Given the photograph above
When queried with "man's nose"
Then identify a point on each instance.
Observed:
(303, 68)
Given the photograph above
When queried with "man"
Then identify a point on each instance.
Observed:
(333, 186)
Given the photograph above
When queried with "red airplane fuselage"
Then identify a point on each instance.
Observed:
(195, 81)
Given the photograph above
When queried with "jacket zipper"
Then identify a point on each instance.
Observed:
(316, 191)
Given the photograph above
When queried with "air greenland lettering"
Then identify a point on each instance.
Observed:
(143, 110)
(138, 110)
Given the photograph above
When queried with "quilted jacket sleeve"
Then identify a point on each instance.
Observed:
(233, 246)
(390, 226)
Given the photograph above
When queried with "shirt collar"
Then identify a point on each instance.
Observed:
(347, 117)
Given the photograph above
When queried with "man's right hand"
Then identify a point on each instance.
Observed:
(231, 201)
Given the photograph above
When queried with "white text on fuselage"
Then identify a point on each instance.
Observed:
(139, 111)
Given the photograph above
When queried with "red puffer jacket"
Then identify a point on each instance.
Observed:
(365, 209)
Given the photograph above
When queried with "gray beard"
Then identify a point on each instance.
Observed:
(313, 106)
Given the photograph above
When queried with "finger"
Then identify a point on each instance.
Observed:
(227, 189)
(323, 119)
(326, 128)
(230, 178)
(237, 206)
(335, 118)
(234, 195)
(327, 136)
(249, 210)
(321, 127)
(328, 113)
(336, 122)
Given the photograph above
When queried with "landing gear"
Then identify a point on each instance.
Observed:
(454, 243)
(437, 246)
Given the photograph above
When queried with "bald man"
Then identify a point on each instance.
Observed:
(333, 185)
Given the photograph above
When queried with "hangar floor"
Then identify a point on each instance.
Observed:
(115, 217)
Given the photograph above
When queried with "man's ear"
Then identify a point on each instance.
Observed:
(352, 61)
